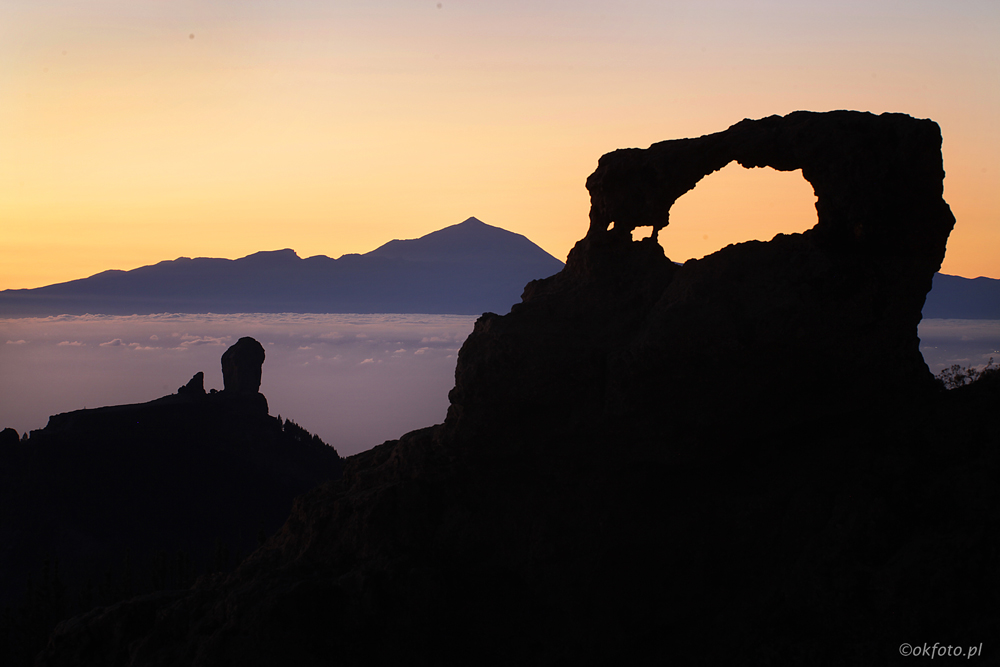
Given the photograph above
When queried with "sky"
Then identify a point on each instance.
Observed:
(142, 130)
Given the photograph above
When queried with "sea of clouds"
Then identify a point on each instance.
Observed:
(354, 380)
(945, 343)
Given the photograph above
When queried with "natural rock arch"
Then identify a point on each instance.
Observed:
(803, 327)
(878, 179)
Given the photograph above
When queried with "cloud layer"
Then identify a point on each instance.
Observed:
(354, 380)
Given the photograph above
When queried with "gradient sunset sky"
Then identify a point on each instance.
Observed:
(142, 130)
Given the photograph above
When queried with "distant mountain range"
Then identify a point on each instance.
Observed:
(468, 268)
(955, 297)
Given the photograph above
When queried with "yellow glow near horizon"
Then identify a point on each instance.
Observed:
(332, 129)
(734, 205)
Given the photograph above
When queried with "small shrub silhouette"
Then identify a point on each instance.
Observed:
(956, 376)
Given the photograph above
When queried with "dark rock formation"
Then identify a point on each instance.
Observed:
(796, 326)
(241, 366)
(8, 445)
(8, 438)
(196, 385)
(740, 460)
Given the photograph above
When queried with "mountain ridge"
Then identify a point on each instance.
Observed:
(467, 268)
(466, 243)
(956, 297)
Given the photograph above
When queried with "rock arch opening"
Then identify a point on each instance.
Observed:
(640, 233)
(734, 205)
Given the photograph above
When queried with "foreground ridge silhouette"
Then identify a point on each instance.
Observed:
(633, 469)
(105, 503)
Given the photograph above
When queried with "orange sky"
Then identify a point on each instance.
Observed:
(333, 127)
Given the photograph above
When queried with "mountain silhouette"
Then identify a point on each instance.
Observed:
(955, 297)
(468, 268)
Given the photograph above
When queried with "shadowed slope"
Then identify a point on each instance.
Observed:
(132, 498)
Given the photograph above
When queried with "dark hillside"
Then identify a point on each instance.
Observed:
(110, 502)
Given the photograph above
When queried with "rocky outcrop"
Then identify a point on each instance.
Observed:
(741, 459)
(241, 366)
(808, 325)
(8, 438)
(195, 386)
